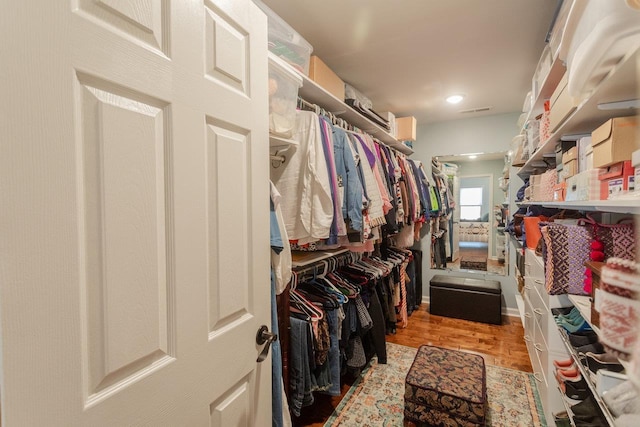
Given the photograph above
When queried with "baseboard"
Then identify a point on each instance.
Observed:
(512, 312)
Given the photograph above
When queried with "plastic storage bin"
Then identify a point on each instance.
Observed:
(285, 42)
(597, 35)
(284, 83)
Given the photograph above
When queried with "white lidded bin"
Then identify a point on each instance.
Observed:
(285, 42)
(597, 35)
(284, 83)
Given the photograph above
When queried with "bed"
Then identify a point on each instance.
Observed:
(474, 231)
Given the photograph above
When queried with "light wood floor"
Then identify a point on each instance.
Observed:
(500, 345)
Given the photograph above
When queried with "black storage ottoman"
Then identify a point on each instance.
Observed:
(446, 388)
(479, 300)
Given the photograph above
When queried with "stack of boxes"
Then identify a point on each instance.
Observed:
(600, 166)
(290, 56)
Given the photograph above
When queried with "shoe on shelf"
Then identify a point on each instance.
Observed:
(572, 315)
(580, 338)
(571, 327)
(595, 362)
(596, 422)
(595, 348)
(586, 410)
(575, 322)
(576, 390)
(562, 419)
(563, 364)
(568, 375)
(556, 311)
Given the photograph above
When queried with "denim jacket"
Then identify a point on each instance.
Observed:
(348, 179)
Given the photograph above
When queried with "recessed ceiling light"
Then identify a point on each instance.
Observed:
(455, 99)
(473, 156)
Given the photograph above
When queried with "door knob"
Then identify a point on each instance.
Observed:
(264, 337)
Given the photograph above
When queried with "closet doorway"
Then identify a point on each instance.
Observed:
(473, 219)
(473, 242)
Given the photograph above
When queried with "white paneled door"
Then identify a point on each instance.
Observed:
(134, 228)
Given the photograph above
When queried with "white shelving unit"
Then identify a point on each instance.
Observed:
(586, 374)
(618, 85)
(622, 206)
(312, 92)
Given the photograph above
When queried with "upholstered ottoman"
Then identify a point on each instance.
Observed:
(446, 387)
(479, 300)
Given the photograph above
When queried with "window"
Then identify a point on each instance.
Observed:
(471, 203)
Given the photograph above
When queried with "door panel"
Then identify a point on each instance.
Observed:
(136, 175)
(229, 198)
(124, 224)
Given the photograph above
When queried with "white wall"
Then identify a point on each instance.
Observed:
(483, 134)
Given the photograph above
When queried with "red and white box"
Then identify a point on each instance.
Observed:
(616, 179)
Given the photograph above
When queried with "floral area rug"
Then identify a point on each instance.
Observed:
(377, 398)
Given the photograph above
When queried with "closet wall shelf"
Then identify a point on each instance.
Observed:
(312, 92)
(279, 142)
(301, 259)
(622, 206)
(548, 86)
(617, 85)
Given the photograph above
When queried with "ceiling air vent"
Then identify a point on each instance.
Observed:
(475, 110)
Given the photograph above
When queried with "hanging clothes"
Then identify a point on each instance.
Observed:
(281, 261)
(303, 181)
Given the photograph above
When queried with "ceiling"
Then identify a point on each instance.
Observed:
(407, 56)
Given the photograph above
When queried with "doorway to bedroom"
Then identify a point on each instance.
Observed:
(473, 219)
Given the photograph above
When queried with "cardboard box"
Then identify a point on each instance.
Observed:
(570, 168)
(570, 154)
(562, 104)
(614, 141)
(583, 186)
(615, 179)
(406, 128)
(321, 74)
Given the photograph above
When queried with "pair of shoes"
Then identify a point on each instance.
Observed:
(595, 348)
(562, 419)
(572, 314)
(563, 364)
(595, 362)
(622, 399)
(588, 408)
(595, 422)
(580, 338)
(576, 390)
(571, 320)
(588, 414)
(575, 327)
(569, 374)
(556, 311)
